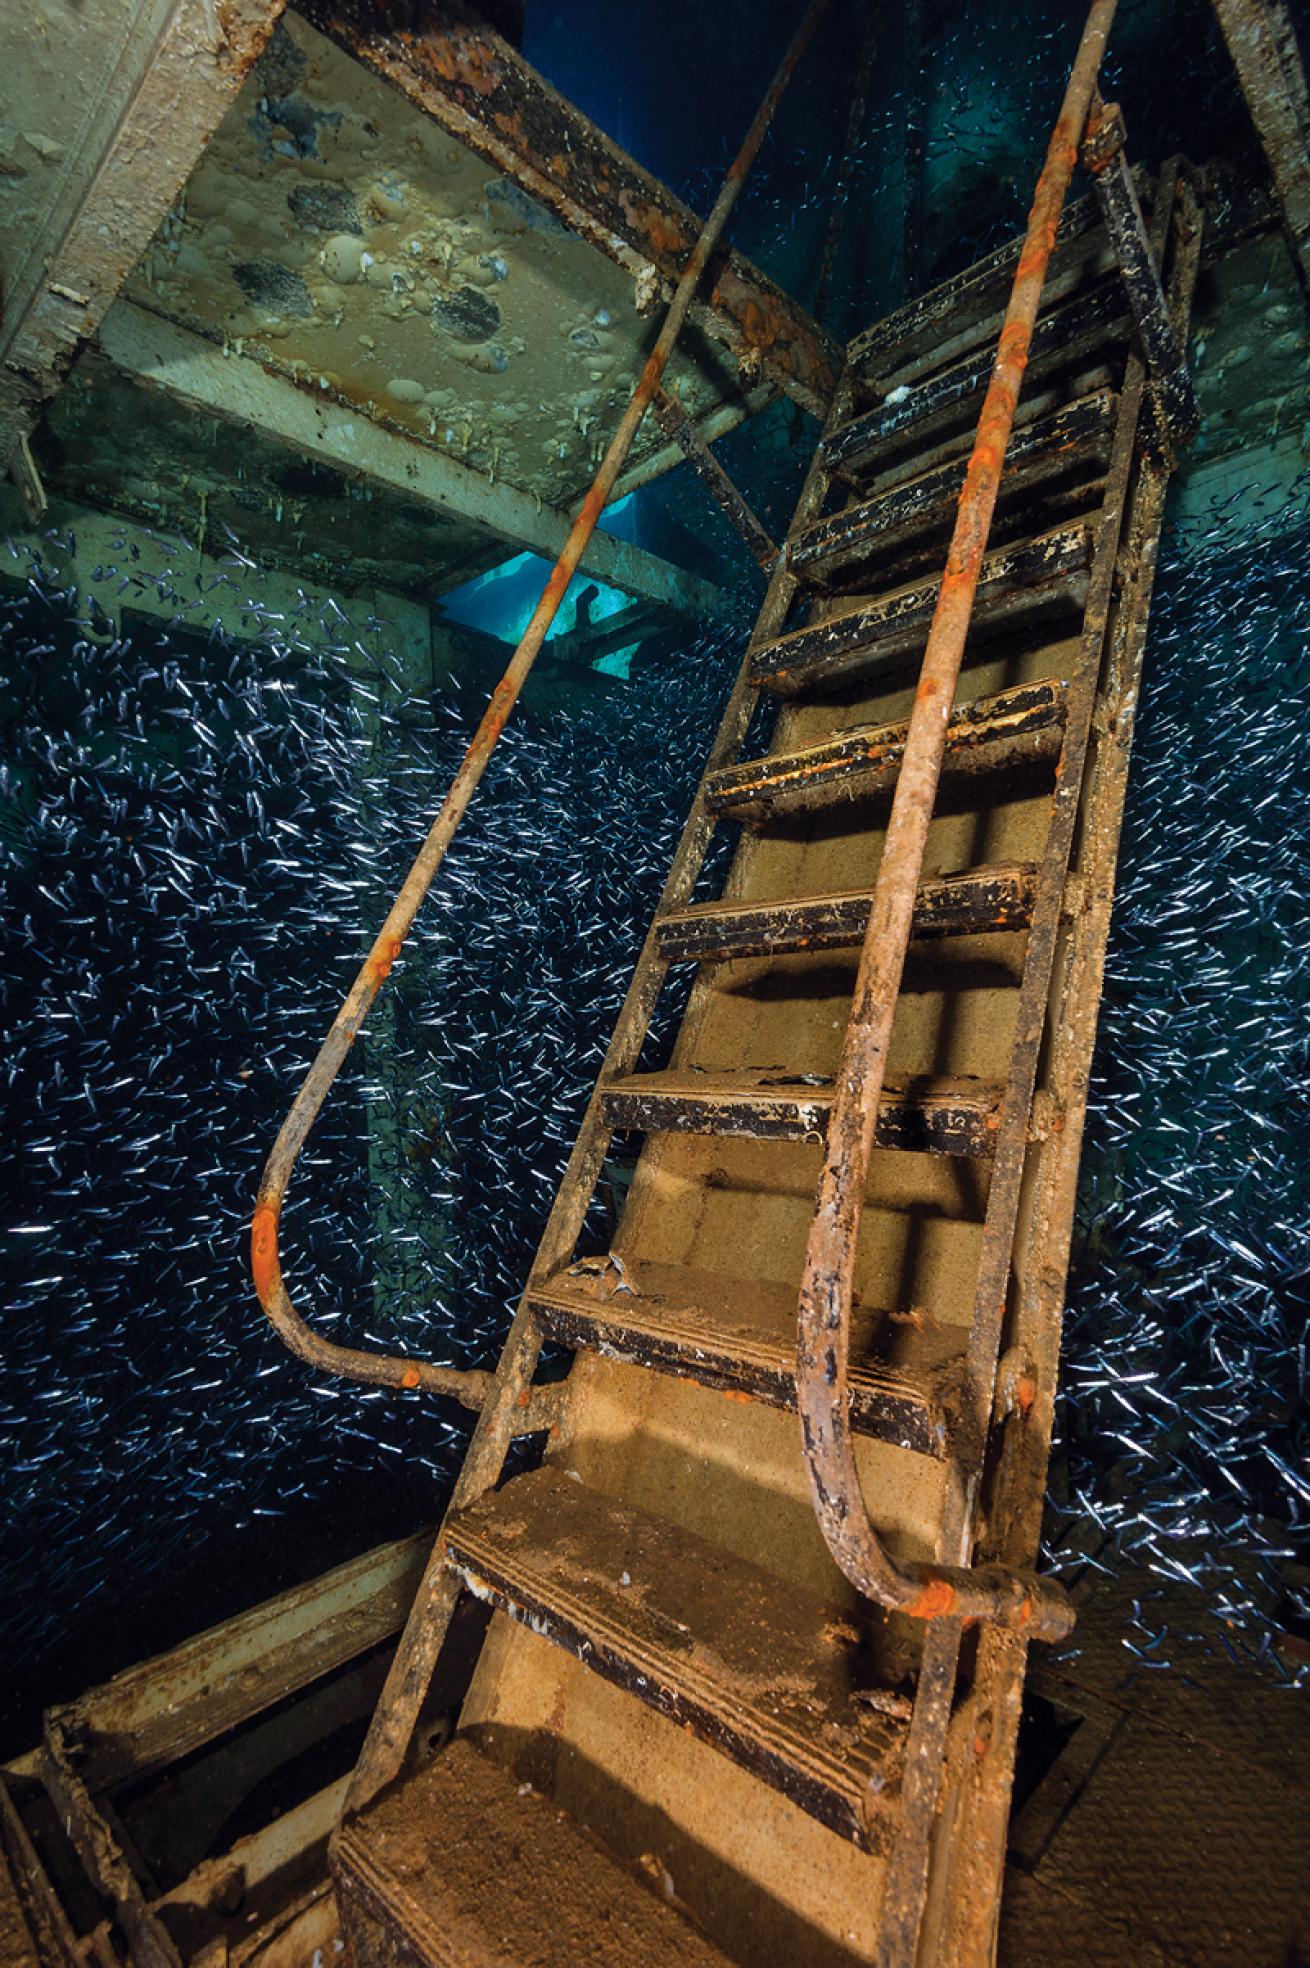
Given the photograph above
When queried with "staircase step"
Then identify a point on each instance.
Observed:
(723, 1332)
(879, 635)
(460, 1866)
(924, 1115)
(1017, 726)
(1066, 335)
(967, 904)
(764, 1673)
(965, 310)
(1073, 441)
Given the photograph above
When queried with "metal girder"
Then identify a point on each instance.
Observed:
(1166, 359)
(1262, 43)
(481, 90)
(180, 66)
(675, 423)
(163, 1709)
(164, 356)
(101, 1851)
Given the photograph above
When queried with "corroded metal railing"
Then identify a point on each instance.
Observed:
(470, 1388)
(926, 1591)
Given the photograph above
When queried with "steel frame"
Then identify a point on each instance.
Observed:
(149, 1721)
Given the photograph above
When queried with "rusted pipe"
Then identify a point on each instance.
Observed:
(472, 1389)
(1038, 1606)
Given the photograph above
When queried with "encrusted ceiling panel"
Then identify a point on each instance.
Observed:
(335, 234)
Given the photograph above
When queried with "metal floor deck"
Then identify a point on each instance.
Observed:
(1172, 1829)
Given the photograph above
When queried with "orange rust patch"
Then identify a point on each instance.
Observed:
(1014, 344)
(384, 955)
(927, 689)
(264, 1267)
(1025, 1392)
(759, 325)
(936, 1599)
(664, 234)
(736, 1394)
(457, 57)
(411, 1377)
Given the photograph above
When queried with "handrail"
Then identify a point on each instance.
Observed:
(471, 1388)
(926, 1591)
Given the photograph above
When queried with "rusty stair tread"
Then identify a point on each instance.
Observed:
(740, 1335)
(967, 307)
(1072, 442)
(924, 1114)
(801, 1693)
(879, 635)
(467, 1868)
(970, 902)
(1012, 727)
(1062, 336)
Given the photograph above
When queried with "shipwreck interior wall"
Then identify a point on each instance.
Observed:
(225, 722)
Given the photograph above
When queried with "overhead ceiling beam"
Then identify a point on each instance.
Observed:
(454, 67)
(1262, 43)
(161, 355)
(170, 83)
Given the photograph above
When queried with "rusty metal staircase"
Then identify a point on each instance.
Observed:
(676, 1732)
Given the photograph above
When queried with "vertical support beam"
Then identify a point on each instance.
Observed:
(1262, 43)
(1166, 359)
(974, 1820)
(675, 423)
(180, 66)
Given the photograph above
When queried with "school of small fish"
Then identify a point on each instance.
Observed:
(1184, 1416)
(198, 833)
(199, 837)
